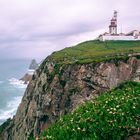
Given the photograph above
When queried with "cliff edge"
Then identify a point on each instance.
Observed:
(63, 82)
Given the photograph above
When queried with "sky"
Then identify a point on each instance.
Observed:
(36, 28)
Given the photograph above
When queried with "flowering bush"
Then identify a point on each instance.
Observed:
(111, 116)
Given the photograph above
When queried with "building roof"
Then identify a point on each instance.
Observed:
(122, 34)
(132, 32)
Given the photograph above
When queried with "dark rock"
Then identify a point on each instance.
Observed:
(135, 137)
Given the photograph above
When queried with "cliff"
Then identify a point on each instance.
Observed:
(58, 88)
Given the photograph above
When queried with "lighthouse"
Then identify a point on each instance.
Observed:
(113, 24)
(114, 36)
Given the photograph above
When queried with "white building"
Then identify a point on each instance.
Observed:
(113, 35)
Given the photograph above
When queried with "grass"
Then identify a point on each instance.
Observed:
(95, 51)
(112, 116)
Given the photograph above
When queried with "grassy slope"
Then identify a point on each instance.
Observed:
(112, 116)
(94, 51)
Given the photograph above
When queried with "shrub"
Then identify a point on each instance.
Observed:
(112, 116)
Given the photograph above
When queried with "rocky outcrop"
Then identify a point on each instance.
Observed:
(56, 90)
(26, 78)
(33, 65)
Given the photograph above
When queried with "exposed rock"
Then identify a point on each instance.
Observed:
(26, 78)
(33, 65)
(53, 92)
(135, 137)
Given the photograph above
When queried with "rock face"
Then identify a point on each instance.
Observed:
(26, 78)
(56, 90)
(33, 65)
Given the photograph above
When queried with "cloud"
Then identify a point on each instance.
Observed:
(36, 28)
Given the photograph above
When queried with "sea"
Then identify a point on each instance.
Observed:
(11, 88)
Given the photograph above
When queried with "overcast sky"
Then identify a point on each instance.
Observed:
(36, 28)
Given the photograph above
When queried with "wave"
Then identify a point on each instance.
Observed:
(31, 71)
(17, 83)
(10, 109)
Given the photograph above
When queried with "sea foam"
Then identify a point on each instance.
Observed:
(10, 109)
(17, 83)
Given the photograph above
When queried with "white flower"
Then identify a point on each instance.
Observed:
(122, 113)
(117, 106)
(78, 128)
(134, 107)
(114, 109)
(106, 102)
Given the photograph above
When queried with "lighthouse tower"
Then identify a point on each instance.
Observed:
(113, 24)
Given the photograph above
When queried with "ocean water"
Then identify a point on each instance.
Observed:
(11, 88)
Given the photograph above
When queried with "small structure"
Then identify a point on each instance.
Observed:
(113, 35)
(113, 24)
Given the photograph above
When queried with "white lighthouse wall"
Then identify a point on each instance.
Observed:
(113, 30)
(138, 38)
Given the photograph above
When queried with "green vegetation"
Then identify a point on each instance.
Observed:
(112, 116)
(95, 51)
(55, 71)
